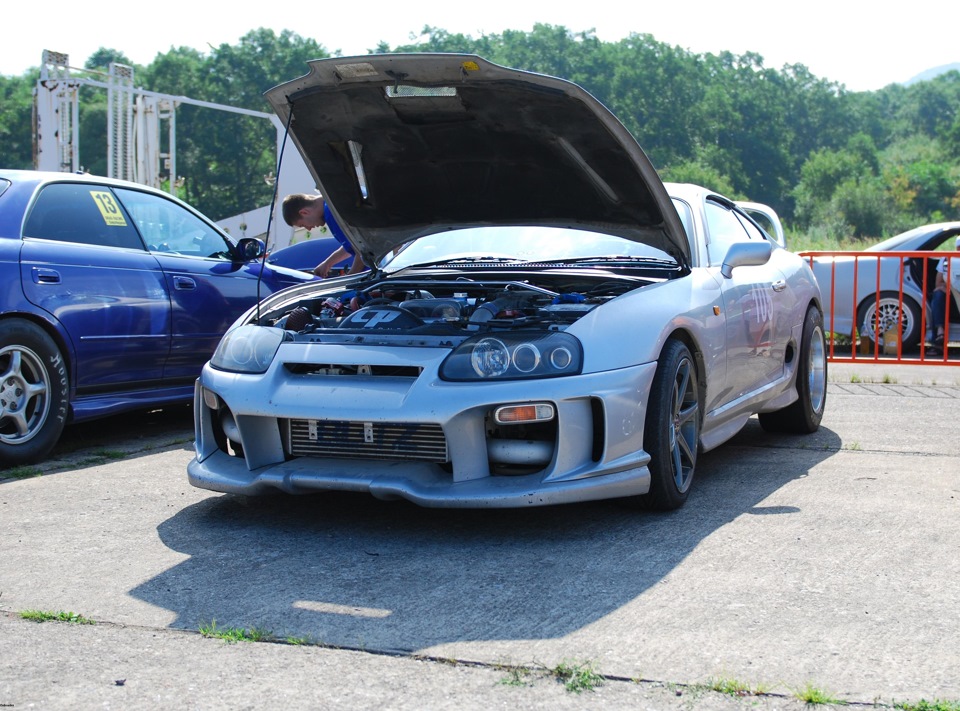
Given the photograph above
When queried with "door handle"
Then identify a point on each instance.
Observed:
(45, 276)
(184, 283)
(779, 285)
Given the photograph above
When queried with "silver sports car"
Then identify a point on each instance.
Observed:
(852, 285)
(546, 321)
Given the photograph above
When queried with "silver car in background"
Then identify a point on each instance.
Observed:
(851, 285)
(546, 321)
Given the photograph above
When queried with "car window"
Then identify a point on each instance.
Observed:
(725, 229)
(167, 227)
(686, 217)
(763, 220)
(753, 231)
(81, 213)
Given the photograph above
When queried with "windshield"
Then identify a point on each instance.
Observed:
(895, 243)
(519, 244)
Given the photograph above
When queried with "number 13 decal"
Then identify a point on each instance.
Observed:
(108, 207)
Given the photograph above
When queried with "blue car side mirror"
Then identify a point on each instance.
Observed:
(250, 248)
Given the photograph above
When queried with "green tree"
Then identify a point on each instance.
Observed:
(864, 207)
(699, 174)
(227, 158)
(16, 124)
(103, 58)
(827, 159)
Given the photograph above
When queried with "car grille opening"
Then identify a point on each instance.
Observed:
(402, 371)
(366, 440)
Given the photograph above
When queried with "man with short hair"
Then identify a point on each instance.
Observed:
(312, 211)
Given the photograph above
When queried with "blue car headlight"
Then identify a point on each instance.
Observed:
(247, 349)
(514, 356)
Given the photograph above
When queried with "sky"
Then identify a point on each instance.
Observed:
(862, 45)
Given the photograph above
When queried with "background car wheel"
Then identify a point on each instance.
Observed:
(33, 392)
(671, 432)
(804, 415)
(889, 317)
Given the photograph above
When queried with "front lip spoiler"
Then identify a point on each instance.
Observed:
(421, 484)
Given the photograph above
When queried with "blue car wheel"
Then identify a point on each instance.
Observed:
(34, 394)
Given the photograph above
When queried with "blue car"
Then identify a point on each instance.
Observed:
(308, 254)
(114, 295)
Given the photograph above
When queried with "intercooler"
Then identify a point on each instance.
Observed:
(367, 440)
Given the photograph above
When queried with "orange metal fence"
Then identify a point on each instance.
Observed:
(850, 281)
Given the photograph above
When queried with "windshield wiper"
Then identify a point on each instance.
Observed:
(464, 260)
(618, 259)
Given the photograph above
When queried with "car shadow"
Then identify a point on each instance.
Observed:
(351, 571)
(127, 436)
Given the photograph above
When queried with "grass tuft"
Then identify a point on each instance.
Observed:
(22, 472)
(516, 676)
(61, 616)
(813, 696)
(235, 634)
(734, 687)
(924, 705)
(577, 676)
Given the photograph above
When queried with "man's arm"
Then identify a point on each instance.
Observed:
(357, 265)
(338, 255)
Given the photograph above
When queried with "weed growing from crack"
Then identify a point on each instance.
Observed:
(235, 634)
(577, 676)
(814, 696)
(61, 616)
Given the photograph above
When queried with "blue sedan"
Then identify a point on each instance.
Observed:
(306, 255)
(114, 295)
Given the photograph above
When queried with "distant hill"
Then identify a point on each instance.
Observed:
(931, 73)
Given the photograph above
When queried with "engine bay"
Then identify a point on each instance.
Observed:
(446, 308)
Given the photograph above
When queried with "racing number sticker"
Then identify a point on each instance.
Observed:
(108, 207)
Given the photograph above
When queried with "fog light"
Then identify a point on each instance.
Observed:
(211, 399)
(517, 414)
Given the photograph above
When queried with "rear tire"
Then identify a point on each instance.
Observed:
(34, 393)
(804, 415)
(671, 431)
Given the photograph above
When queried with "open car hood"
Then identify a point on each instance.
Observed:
(404, 145)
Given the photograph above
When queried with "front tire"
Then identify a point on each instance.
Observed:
(804, 415)
(671, 431)
(34, 393)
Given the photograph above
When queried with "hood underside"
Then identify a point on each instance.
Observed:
(407, 145)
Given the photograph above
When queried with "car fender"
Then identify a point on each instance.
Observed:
(632, 329)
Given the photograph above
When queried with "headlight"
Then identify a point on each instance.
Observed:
(514, 356)
(247, 349)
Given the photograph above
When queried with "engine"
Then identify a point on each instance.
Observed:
(447, 309)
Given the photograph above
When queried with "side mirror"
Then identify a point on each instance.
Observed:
(746, 254)
(250, 248)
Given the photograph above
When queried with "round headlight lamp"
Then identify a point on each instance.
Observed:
(490, 358)
(561, 358)
(526, 357)
(247, 349)
(514, 355)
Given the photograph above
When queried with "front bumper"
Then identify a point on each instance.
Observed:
(593, 450)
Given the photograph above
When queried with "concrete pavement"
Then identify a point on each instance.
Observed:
(826, 562)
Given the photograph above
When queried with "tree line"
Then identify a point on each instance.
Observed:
(833, 162)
